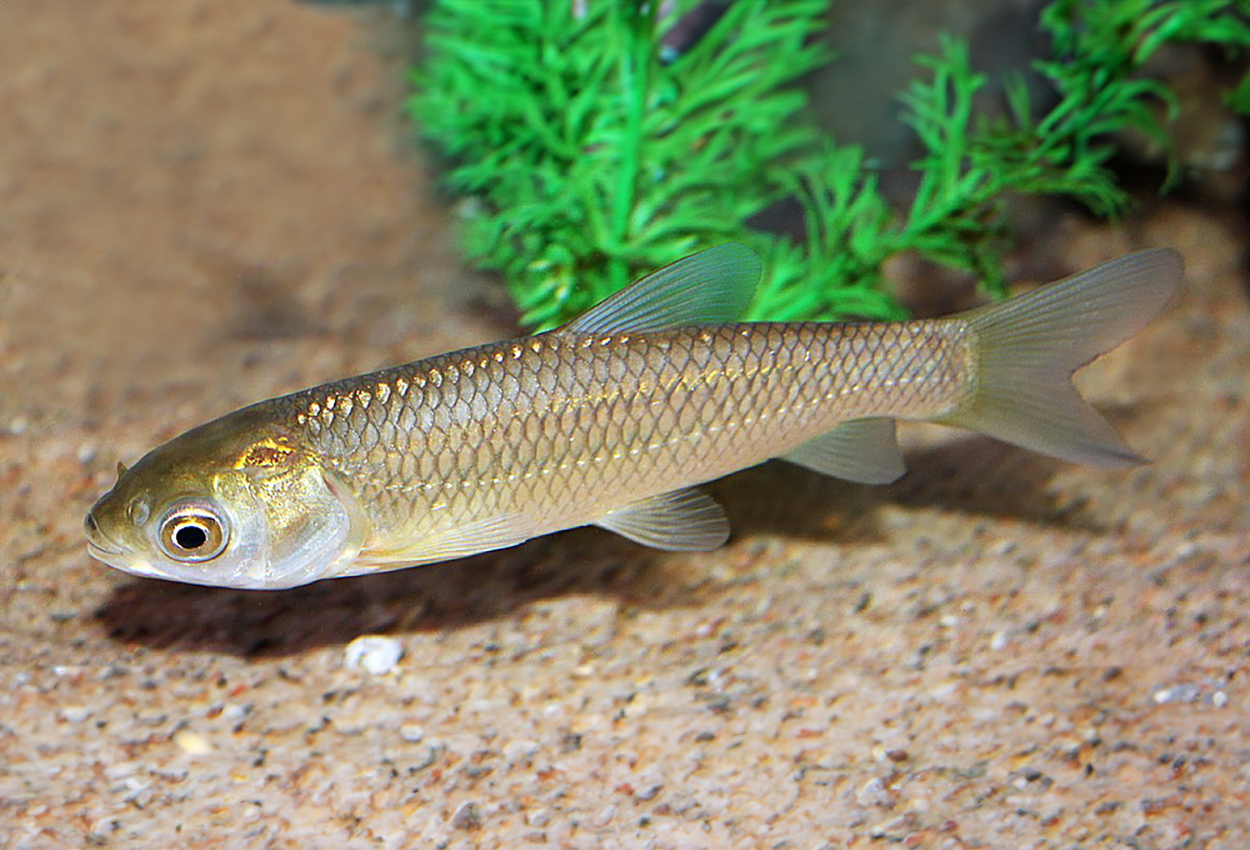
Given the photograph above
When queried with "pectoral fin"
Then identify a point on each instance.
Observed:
(457, 541)
(684, 520)
(863, 450)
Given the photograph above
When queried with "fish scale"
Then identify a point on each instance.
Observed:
(609, 421)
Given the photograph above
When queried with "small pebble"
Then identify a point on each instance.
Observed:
(520, 750)
(1186, 692)
(193, 743)
(411, 732)
(872, 793)
(75, 713)
(375, 654)
(433, 752)
(121, 770)
(467, 817)
(883, 830)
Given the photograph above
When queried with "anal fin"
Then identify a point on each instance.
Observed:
(680, 521)
(862, 450)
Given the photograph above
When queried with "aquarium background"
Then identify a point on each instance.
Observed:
(203, 204)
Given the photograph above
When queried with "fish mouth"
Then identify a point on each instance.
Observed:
(99, 553)
(102, 553)
(114, 558)
(104, 549)
(118, 560)
(99, 545)
(98, 542)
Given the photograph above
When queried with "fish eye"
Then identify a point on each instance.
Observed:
(193, 531)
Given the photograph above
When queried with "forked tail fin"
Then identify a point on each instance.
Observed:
(1028, 347)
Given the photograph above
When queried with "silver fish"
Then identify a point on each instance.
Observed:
(609, 421)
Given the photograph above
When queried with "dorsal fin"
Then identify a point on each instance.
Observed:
(710, 287)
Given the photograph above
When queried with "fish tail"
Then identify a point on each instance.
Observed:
(1027, 348)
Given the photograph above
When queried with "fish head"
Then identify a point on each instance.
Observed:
(228, 504)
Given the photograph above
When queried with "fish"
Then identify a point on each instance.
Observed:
(611, 420)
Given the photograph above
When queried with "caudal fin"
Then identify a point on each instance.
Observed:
(1028, 347)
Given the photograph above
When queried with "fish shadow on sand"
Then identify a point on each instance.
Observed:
(972, 475)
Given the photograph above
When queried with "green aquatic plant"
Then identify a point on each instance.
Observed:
(973, 164)
(590, 159)
(596, 141)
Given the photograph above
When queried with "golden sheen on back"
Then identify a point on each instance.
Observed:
(609, 421)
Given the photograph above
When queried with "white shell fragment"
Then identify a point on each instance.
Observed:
(375, 654)
(193, 743)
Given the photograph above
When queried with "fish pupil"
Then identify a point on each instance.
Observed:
(191, 537)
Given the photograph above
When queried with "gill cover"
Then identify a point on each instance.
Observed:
(313, 526)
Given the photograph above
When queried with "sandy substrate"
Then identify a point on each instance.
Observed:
(207, 203)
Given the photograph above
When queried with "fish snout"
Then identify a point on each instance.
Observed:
(97, 540)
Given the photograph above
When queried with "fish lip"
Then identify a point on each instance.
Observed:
(98, 541)
(102, 553)
(105, 550)
(118, 561)
(114, 558)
